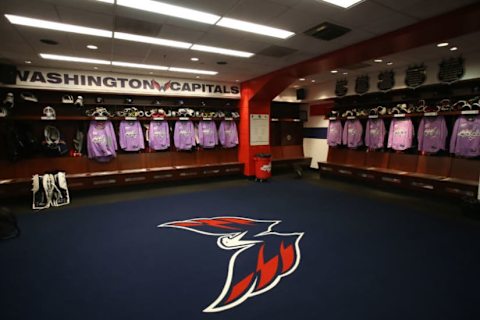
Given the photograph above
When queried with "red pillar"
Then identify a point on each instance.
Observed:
(248, 107)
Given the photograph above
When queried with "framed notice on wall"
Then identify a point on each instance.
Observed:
(259, 130)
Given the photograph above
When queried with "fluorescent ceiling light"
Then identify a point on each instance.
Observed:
(92, 47)
(72, 59)
(157, 41)
(254, 28)
(227, 52)
(453, 49)
(107, 1)
(442, 44)
(138, 65)
(185, 70)
(343, 3)
(170, 10)
(57, 26)
(334, 71)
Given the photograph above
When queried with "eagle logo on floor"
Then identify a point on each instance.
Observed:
(261, 259)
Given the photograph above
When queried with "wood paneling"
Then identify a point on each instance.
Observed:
(438, 166)
(403, 162)
(467, 169)
(376, 159)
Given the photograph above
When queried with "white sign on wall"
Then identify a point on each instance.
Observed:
(41, 78)
(259, 130)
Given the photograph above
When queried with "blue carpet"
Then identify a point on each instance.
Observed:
(360, 259)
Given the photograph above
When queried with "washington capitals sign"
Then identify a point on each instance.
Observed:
(41, 78)
(261, 257)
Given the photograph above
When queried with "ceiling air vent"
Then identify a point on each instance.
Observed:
(357, 66)
(134, 26)
(327, 31)
(276, 51)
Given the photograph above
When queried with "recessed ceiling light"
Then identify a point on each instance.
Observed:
(138, 65)
(254, 28)
(57, 26)
(453, 49)
(96, 68)
(151, 40)
(389, 63)
(334, 71)
(170, 10)
(345, 73)
(194, 59)
(344, 3)
(72, 59)
(28, 61)
(442, 44)
(227, 52)
(237, 80)
(296, 86)
(92, 47)
(313, 81)
(378, 60)
(186, 70)
(302, 79)
(198, 77)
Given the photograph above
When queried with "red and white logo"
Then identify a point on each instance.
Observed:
(261, 259)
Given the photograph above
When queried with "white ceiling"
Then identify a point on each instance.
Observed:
(368, 19)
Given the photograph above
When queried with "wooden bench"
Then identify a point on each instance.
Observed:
(288, 157)
(444, 176)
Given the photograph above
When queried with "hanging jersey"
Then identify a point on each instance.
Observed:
(207, 134)
(131, 136)
(184, 135)
(334, 133)
(159, 135)
(401, 134)
(375, 134)
(465, 139)
(227, 134)
(352, 133)
(432, 134)
(101, 141)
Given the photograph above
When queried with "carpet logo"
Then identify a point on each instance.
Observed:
(261, 259)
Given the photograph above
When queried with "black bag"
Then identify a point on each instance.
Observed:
(8, 225)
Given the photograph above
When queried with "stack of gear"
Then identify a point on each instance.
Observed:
(185, 112)
(8, 104)
(49, 190)
(98, 112)
(130, 112)
(101, 141)
(27, 96)
(20, 142)
(49, 112)
(131, 136)
(207, 135)
(53, 144)
(228, 134)
(78, 144)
